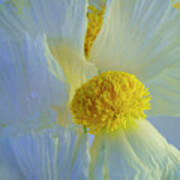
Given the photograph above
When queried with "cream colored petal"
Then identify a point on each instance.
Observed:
(8, 166)
(69, 66)
(68, 48)
(54, 154)
(97, 169)
(28, 90)
(61, 20)
(75, 68)
(165, 91)
(97, 3)
(141, 153)
(168, 127)
(139, 37)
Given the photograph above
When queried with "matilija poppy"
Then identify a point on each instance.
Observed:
(65, 76)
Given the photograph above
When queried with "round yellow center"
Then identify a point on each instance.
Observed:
(106, 102)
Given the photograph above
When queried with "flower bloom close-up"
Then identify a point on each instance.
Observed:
(86, 88)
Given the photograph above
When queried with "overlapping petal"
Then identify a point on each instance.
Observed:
(134, 37)
(60, 20)
(52, 154)
(168, 127)
(139, 154)
(28, 89)
(8, 165)
(75, 68)
(165, 91)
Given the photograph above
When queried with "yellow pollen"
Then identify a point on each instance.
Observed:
(177, 5)
(95, 21)
(108, 101)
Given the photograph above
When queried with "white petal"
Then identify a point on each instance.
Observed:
(8, 166)
(52, 154)
(139, 37)
(28, 90)
(169, 128)
(165, 91)
(63, 20)
(75, 68)
(97, 3)
(97, 167)
(139, 154)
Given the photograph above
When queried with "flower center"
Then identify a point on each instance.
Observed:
(108, 101)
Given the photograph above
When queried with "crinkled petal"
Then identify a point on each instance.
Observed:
(63, 20)
(168, 127)
(139, 153)
(67, 47)
(28, 90)
(165, 91)
(58, 153)
(139, 37)
(8, 165)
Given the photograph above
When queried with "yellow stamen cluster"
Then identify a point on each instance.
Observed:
(106, 102)
(177, 5)
(95, 20)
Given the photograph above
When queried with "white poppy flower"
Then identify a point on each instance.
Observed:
(103, 66)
